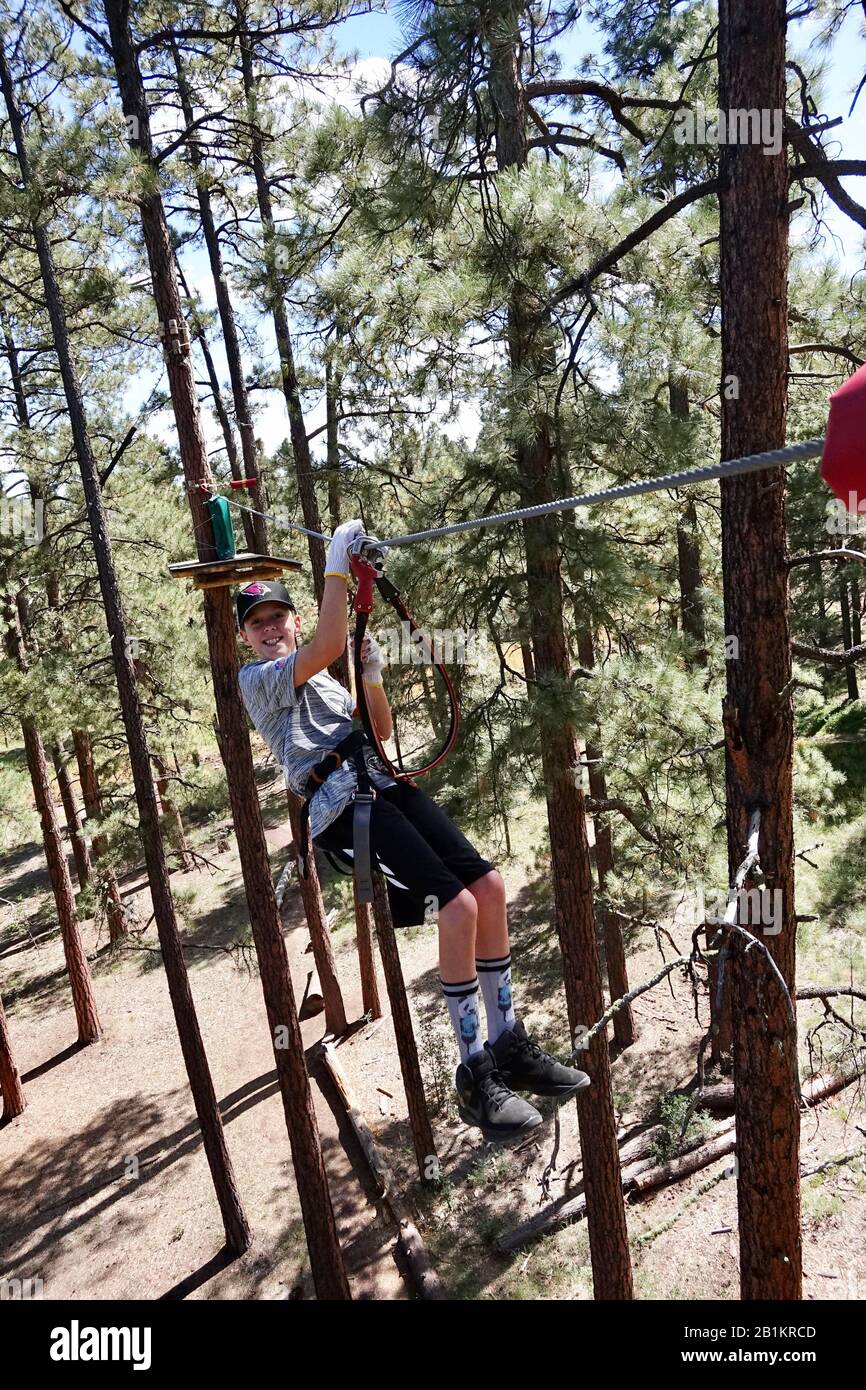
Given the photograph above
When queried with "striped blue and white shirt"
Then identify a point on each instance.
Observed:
(300, 724)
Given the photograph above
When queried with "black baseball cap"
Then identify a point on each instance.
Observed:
(261, 591)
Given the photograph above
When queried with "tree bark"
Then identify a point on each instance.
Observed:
(255, 526)
(692, 616)
(93, 808)
(77, 968)
(80, 853)
(848, 637)
(614, 945)
(276, 304)
(221, 411)
(758, 714)
(366, 957)
(314, 911)
(572, 873)
(80, 980)
(237, 1231)
(325, 1256)
(14, 1102)
(413, 1084)
(176, 832)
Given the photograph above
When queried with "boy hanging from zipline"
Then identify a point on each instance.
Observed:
(302, 714)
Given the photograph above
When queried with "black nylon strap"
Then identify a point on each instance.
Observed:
(353, 746)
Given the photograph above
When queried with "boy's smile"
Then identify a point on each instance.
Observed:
(271, 629)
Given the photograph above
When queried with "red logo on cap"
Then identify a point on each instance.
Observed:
(256, 589)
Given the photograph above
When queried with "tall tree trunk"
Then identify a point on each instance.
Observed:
(325, 1255)
(304, 472)
(93, 808)
(174, 821)
(370, 1001)
(314, 911)
(80, 980)
(236, 1229)
(222, 414)
(693, 622)
(276, 304)
(257, 532)
(688, 549)
(333, 384)
(847, 635)
(572, 873)
(107, 886)
(413, 1083)
(758, 714)
(614, 946)
(80, 852)
(14, 1102)
(856, 635)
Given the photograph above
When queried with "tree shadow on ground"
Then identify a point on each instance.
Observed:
(50, 1184)
(25, 875)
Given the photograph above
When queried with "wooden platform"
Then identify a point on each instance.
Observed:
(245, 566)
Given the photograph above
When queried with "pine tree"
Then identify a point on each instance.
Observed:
(758, 714)
(236, 1229)
(325, 1255)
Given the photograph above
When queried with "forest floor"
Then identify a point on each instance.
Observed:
(104, 1188)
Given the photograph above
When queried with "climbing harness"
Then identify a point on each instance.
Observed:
(352, 746)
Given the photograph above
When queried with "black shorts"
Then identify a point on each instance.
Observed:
(426, 861)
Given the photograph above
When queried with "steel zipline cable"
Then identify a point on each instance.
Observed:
(729, 468)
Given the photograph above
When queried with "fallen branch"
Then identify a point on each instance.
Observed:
(635, 1155)
(816, 1089)
(644, 1176)
(693, 1197)
(378, 1167)
(683, 1166)
(426, 1279)
(836, 1162)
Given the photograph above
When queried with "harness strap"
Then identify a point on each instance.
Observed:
(353, 746)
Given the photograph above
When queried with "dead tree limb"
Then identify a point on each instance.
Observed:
(426, 1279)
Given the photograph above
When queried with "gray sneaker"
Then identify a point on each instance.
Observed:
(487, 1103)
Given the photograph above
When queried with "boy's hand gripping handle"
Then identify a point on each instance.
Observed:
(367, 560)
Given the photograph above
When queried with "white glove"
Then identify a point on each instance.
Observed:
(372, 661)
(337, 561)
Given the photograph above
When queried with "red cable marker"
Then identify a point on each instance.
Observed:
(843, 466)
(236, 483)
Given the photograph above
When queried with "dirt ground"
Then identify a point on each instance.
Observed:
(105, 1192)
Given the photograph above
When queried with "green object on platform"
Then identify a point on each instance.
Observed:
(223, 531)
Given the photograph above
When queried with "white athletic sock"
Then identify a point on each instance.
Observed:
(495, 978)
(462, 999)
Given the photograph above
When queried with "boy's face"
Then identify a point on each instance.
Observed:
(271, 630)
